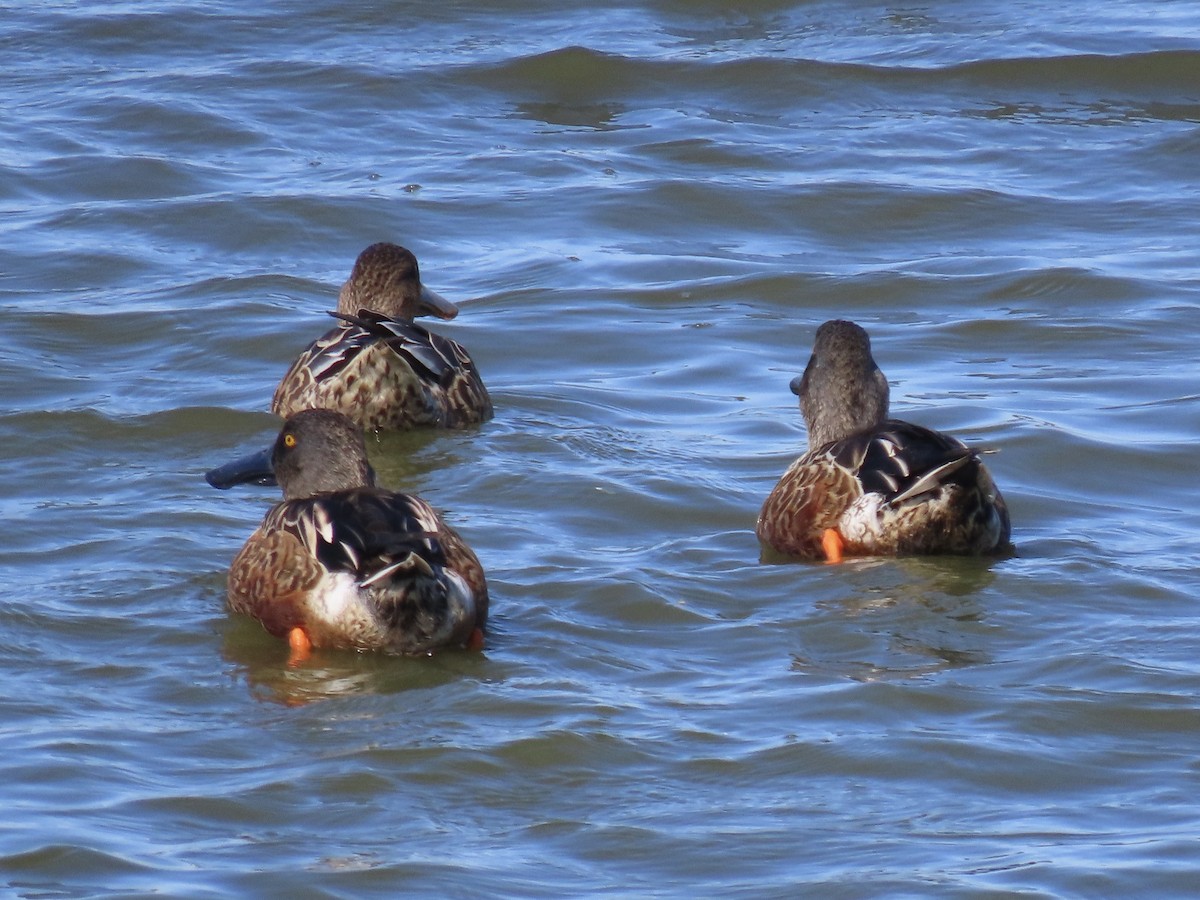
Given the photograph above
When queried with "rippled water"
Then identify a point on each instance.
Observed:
(644, 211)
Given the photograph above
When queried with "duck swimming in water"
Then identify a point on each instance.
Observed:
(377, 366)
(870, 485)
(344, 563)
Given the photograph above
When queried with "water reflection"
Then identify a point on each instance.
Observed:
(330, 674)
(900, 619)
(597, 116)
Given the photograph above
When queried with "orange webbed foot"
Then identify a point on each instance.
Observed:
(301, 646)
(833, 545)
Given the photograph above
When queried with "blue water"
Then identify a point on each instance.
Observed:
(644, 213)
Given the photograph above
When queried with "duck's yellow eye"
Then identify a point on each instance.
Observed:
(289, 440)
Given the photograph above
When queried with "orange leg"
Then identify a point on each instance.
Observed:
(832, 544)
(300, 644)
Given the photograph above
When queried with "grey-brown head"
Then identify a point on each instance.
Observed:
(317, 451)
(842, 391)
(385, 279)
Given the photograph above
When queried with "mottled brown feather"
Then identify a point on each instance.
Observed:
(809, 498)
(380, 389)
(270, 578)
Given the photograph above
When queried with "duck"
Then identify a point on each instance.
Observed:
(870, 485)
(378, 366)
(343, 563)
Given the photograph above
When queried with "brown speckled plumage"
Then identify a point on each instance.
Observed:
(354, 565)
(377, 366)
(888, 487)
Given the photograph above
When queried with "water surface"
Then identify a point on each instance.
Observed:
(644, 212)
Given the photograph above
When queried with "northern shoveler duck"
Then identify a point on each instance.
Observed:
(377, 366)
(344, 563)
(870, 485)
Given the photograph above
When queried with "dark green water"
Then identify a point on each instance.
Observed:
(644, 212)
